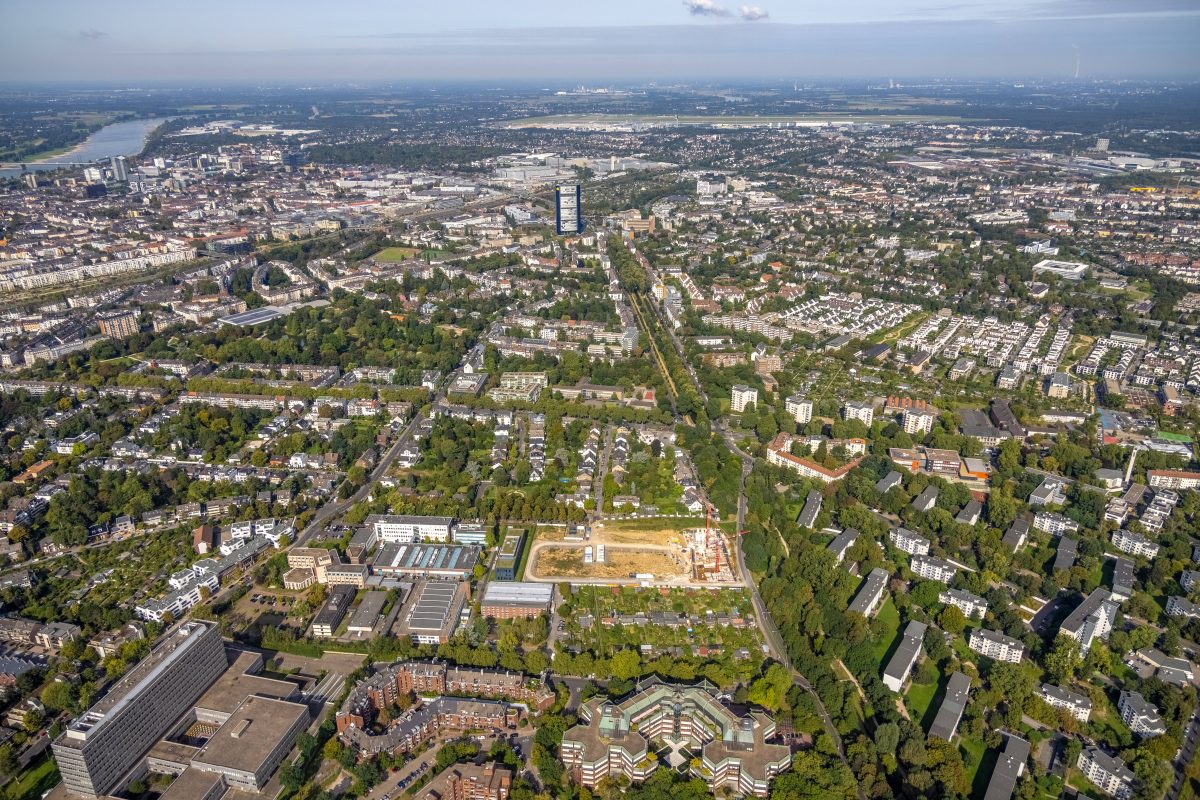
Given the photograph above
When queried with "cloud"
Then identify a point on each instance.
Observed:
(751, 13)
(706, 8)
(92, 33)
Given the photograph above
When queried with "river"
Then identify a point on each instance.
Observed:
(118, 139)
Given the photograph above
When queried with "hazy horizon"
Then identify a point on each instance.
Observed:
(538, 41)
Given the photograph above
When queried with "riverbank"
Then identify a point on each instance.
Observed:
(126, 138)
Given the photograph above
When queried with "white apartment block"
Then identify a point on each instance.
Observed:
(909, 542)
(1107, 772)
(1134, 543)
(1053, 523)
(996, 646)
(972, 605)
(800, 409)
(742, 397)
(1140, 715)
(934, 569)
(865, 412)
(1075, 704)
(917, 421)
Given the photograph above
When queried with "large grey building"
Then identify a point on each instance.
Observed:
(100, 746)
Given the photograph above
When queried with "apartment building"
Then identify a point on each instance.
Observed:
(918, 422)
(1091, 620)
(871, 594)
(1054, 524)
(1173, 479)
(972, 605)
(1107, 772)
(1077, 705)
(933, 568)
(996, 646)
(1140, 715)
(800, 409)
(1134, 543)
(742, 397)
(898, 668)
(735, 751)
(864, 412)
(908, 542)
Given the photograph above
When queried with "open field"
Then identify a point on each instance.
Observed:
(392, 255)
(606, 121)
(644, 531)
(619, 563)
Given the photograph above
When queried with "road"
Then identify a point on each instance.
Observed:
(336, 508)
(771, 635)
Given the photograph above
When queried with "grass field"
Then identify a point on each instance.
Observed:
(392, 255)
(33, 782)
(919, 698)
(567, 562)
(889, 618)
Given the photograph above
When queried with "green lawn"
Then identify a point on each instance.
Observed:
(981, 763)
(394, 254)
(33, 782)
(920, 697)
(887, 620)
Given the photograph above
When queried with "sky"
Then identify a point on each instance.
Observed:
(559, 42)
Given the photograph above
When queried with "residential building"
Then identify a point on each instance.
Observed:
(1134, 543)
(918, 422)
(800, 409)
(950, 712)
(996, 646)
(871, 594)
(908, 542)
(1140, 715)
(972, 605)
(906, 655)
(1075, 704)
(1107, 772)
(1091, 620)
(743, 396)
(1173, 479)
(933, 568)
(1010, 766)
(863, 412)
(613, 739)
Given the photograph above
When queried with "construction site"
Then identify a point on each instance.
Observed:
(646, 551)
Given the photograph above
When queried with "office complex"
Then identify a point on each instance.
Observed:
(100, 746)
(613, 739)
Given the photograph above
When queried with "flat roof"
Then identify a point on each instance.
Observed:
(518, 593)
(255, 316)
(250, 734)
(190, 784)
(432, 605)
(236, 684)
(367, 614)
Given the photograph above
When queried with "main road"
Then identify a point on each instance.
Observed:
(774, 641)
(336, 508)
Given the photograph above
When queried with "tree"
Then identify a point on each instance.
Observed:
(626, 665)
(770, 690)
(59, 696)
(952, 620)
(1063, 659)
(887, 737)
